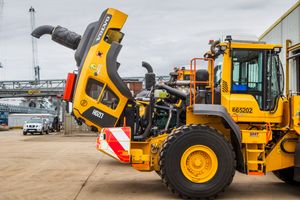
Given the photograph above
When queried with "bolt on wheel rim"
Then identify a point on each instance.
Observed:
(199, 163)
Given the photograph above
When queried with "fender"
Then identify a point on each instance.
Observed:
(297, 162)
(236, 137)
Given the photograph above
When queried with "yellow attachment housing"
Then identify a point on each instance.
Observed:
(145, 155)
(94, 83)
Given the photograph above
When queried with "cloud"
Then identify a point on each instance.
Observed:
(165, 33)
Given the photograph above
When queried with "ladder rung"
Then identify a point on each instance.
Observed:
(255, 150)
(255, 162)
(256, 173)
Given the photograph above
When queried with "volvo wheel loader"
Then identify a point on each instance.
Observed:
(235, 117)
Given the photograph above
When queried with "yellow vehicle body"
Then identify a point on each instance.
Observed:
(93, 66)
(244, 121)
(243, 109)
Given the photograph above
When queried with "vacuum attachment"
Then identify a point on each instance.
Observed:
(58, 34)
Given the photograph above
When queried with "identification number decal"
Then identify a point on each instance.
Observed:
(242, 110)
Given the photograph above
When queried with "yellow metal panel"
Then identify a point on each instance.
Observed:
(250, 45)
(244, 108)
(254, 45)
(256, 136)
(95, 67)
(277, 159)
(296, 113)
(145, 154)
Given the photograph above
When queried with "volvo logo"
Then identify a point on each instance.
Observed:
(103, 27)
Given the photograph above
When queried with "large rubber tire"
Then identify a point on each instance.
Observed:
(170, 162)
(286, 175)
(24, 133)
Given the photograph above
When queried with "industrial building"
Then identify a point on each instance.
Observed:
(286, 31)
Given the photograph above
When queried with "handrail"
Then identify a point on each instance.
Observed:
(194, 82)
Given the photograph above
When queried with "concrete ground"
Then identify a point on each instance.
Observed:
(58, 167)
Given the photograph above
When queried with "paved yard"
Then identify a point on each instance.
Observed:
(57, 167)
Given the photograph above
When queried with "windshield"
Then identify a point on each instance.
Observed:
(274, 79)
(35, 121)
(257, 72)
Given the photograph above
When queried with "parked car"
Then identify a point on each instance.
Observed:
(36, 125)
(50, 126)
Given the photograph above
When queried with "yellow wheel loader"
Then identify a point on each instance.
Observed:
(242, 120)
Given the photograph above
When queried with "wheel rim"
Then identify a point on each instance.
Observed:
(199, 163)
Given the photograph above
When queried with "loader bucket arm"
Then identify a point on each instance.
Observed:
(99, 94)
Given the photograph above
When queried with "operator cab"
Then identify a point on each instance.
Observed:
(248, 78)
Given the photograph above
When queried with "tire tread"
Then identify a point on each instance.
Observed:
(171, 138)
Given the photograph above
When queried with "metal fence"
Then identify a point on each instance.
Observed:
(72, 128)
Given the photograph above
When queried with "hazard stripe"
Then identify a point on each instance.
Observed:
(106, 148)
(115, 145)
(119, 134)
(121, 137)
(127, 131)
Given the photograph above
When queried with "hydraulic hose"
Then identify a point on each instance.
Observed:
(58, 34)
(149, 126)
(42, 30)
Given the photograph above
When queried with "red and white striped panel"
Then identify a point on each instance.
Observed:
(115, 142)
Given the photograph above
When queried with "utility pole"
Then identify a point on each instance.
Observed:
(1, 20)
(35, 64)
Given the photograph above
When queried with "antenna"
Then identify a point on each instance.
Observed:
(35, 64)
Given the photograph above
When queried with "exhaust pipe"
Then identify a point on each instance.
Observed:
(147, 66)
(149, 76)
(42, 30)
(58, 34)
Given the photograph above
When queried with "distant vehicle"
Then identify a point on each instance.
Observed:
(18, 120)
(50, 126)
(56, 124)
(36, 125)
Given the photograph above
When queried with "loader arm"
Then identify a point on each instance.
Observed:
(100, 95)
(97, 91)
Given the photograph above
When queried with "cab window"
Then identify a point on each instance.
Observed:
(109, 98)
(218, 70)
(247, 73)
(93, 88)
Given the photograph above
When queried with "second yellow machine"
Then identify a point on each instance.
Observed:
(234, 117)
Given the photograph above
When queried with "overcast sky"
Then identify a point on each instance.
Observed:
(165, 33)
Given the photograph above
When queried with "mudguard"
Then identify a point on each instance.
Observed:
(297, 162)
(220, 111)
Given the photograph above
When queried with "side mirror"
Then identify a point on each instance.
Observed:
(277, 50)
